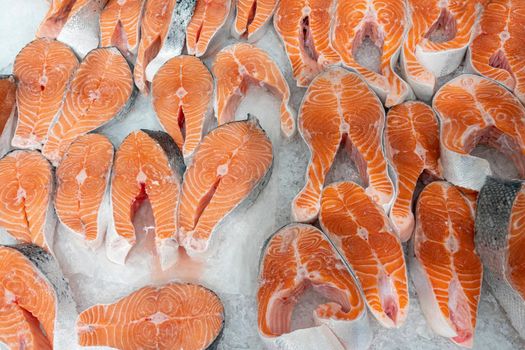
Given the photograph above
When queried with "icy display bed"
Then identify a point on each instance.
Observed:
(231, 265)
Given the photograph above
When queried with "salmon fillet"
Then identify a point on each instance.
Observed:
(363, 234)
(445, 267)
(412, 147)
(338, 107)
(43, 68)
(474, 110)
(120, 25)
(7, 111)
(209, 17)
(101, 89)
(382, 24)
(82, 197)
(240, 65)
(173, 316)
(232, 162)
(148, 165)
(294, 259)
(252, 18)
(182, 99)
(497, 51)
(26, 194)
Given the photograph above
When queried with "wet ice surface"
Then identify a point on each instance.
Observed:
(230, 266)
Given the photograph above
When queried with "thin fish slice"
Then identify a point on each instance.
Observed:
(173, 316)
(382, 24)
(209, 18)
(363, 234)
(7, 111)
(474, 110)
(148, 165)
(120, 25)
(444, 266)
(338, 107)
(26, 210)
(439, 35)
(412, 147)
(500, 241)
(43, 68)
(82, 197)
(182, 98)
(35, 299)
(235, 68)
(294, 259)
(252, 18)
(304, 28)
(101, 90)
(231, 165)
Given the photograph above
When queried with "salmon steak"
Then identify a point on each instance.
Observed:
(339, 108)
(73, 22)
(120, 25)
(43, 68)
(500, 241)
(182, 93)
(231, 166)
(101, 89)
(35, 299)
(298, 257)
(497, 50)
(7, 112)
(162, 35)
(302, 27)
(26, 209)
(238, 66)
(172, 316)
(474, 110)
(412, 147)
(252, 18)
(376, 28)
(363, 234)
(82, 196)
(209, 18)
(148, 165)
(439, 35)
(445, 268)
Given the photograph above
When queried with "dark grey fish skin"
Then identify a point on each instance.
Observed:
(494, 209)
(171, 149)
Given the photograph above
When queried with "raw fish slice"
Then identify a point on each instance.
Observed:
(497, 52)
(337, 108)
(412, 147)
(439, 34)
(148, 165)
(378, 23)
(36, 305)
(500, 241)
(302, 26)
(43, 69)
(182, 99)
(163, 32)
(173, 316)
(7, 111)
(252, 18)
(445, 268)
(209, 18)
(474, 110)
(120, 25)
(295, 258)
(82, 198)
(26, 205)
(363, 234)
(101, 90)
(231, 165)
(73, 22)
(240, 65)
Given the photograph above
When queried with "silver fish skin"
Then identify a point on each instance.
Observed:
(7, 132)
(494, 209)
